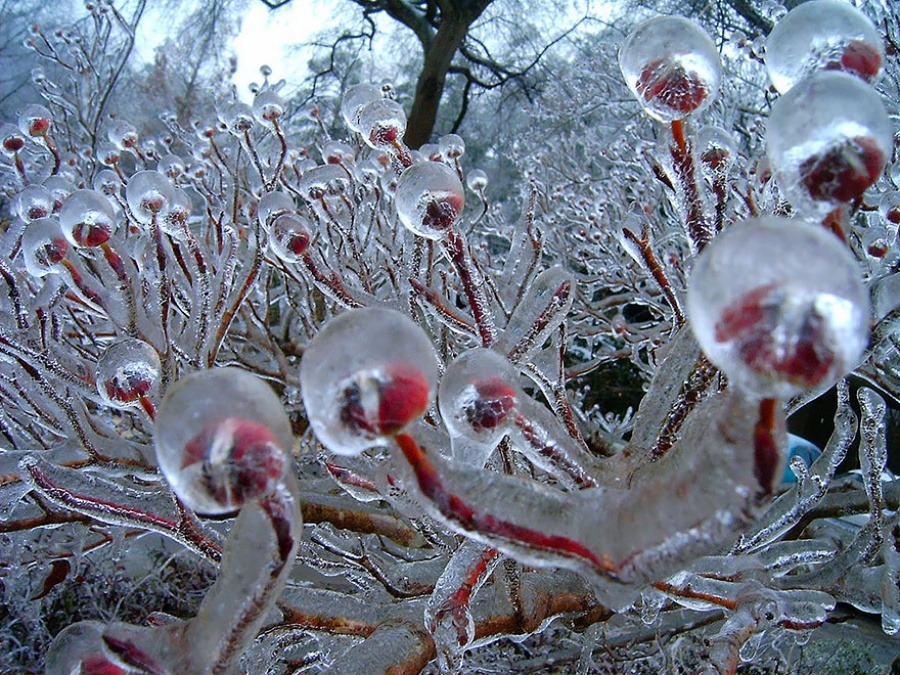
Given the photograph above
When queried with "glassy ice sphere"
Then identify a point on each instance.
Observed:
(828, 139)
(478, 396)
(60, 187)
(122, 134)
(221, 437)
(149, 195)
(289, 237)
(364, 377)
(823, 35)
(779, 306)
(35, 120)
(477, 180)
(671, 66)
(43, 247)
(272, 205)
(87, 218)
(11, 140)
(452, 146)
(128, 371)
(354, 100)
(33, 202)
(716, 149)
(429, 199)
(268, 106)
(171, 166)
(382, 123)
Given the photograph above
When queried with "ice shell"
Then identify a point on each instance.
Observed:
(289, 237)
(823, 35)
(220, 439)
(716, 148)
(452, 146)
(171, 166)
(33, 202)
(364, 376)
(322, 181)
(828, 140)
(429, 199)
(354, 100)
(126, 372)
(478, 395)
(149, 194)
(477, 180)
(43, 247)
(272, 205)
(382, 123)
(122, 134)
(671, 66)
(11, 140)
(779, 306)
(268, 106)
(87, 218)
(60, 187)
(35, 120)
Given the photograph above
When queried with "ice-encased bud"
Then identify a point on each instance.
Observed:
(87, 218)
(337, 152)
(289, 237)
(365, 376)
(429, 199)
(171, 166)
(823, 35)
(221, 437)
(43, 247)
(107, 182)
(35, 120)
(452, 146)
(478, 396)
(60, 187)
(323, 181)
(122, 134)
(128, 371)
(828, 140)
(716, 149)
(177, 214)
(149, 195)
(238, 117)
(79, 648)
(268, 106)
(11, 140)
(382, 123)
(354, 100)
(477, 180)
(271, 205)
(33, 202)
(779, 306)
(108, 154)
(671, 66)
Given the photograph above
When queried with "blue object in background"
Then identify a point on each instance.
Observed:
(802, 448)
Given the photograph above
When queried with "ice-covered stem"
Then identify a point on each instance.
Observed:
(473, 285)
(651, 264)
(258, 557)
(766, 444)
(688, 398)
(14, 295)
(698, 230)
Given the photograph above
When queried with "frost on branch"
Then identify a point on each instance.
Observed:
(464, 472)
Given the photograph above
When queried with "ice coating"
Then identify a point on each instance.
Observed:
(671, 66)
(478, 396)
(716, 148)
(171, 166)
(35, 120)
(823, 35)
(149, 194)
(778, 305)
(429, 199)
(87, 218)
(43, 247)
(289, 237)
(272, 205)
(122, 134)
(382, 123)
(355, 99)
(365, 376)
(268, 106)
(33, 202)
(221, 437)
(128, 371)
(828, 140)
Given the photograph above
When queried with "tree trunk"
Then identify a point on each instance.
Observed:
(433, 77)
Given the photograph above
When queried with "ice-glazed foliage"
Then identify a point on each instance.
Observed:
(672, 66)
(779, 306)
(221, 438)
(365, 376)
(503, 429)
(823, 35)
(828, 139)
(429, 199)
